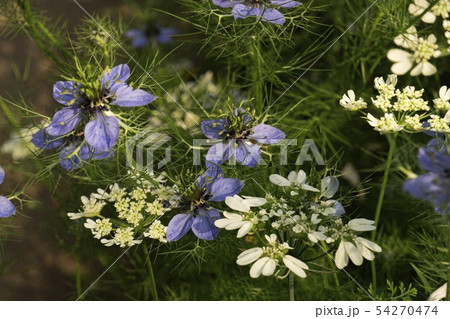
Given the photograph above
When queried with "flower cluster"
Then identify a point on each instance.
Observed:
(86, 128)
(133, 213)
(418, 7)
(306, 216)
(238, 137)
(433, 186)
(265, 10)
(6, 207)
(422, 50)
(404, 110)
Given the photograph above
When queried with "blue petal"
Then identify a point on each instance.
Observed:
(266, 134)
(218, 153)
(178, 226)
(224, 187)
(203, 226)
(212, 173)
(68, 159)
(226, 3)
(127, 97)
(285, 3)
(273, 16)
(2, 175)
(117, 75)
(214, 128)
(337, 206)
(102, 133)
(248, 154)
(68, 93)
(42, 140)
(241, 11)
(140, 42)
(134, 33)
(435, 157)
(6, 207)
(64, 121)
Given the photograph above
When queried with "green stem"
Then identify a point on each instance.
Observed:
(335, 275)
(151, 274)
(257, 75)
(291, 286)
(387, 169)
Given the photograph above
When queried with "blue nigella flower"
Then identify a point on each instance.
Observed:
(262, 9)
(6, 207)
(100, 126)
(74, 149)
(434, 186)
(140, 38)
(239, 137)
(200, 216)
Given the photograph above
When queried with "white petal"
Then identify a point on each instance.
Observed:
(371, 245)
(235, 203)
(258, 266)
(244, 230)
(397, 55)
(353, 253)
(223, 222)
(364, 251)
(341, 257)
(254, 201)
(249, 256)
(295, 265)
(235, 225)
(351, 95)
(360, 221)
(401, 68)
(428, 69)
(429, 17)
(279, 180)
(329, 186)
(232, 216)
(439, 293)
(417, 70)
(306, 187)
(269, 268)
(301, 177)
(444, 93)
(292, 177)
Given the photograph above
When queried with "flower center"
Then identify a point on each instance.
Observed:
(424, 50)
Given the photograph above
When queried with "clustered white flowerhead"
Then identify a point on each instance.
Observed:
(349, 102)
(139, 208)
(350, 244)
(247, 219)
(418, 7)
(406, 110)
(307, 215)
(422, 51)
(268, 258)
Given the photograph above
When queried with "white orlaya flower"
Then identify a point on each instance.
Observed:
(361, 224)
(350, 103)
(423, 49)
(294, 178)
(442, 103)
(233, 222)
(356, 253)
(266, 266)
(386, 124)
